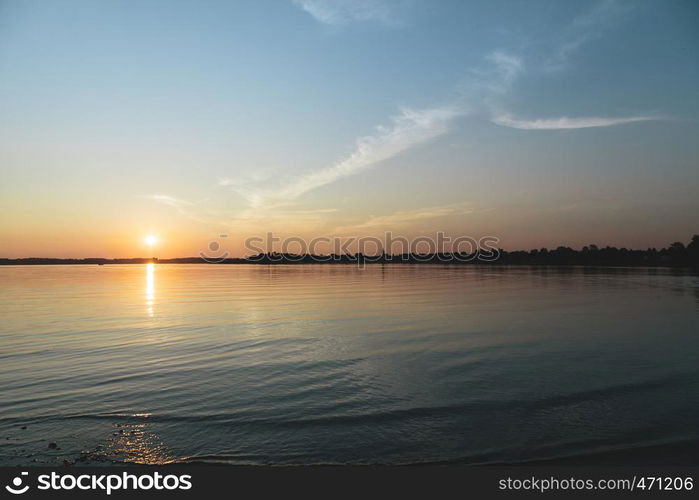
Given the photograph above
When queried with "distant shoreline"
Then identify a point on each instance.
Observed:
(676, 255)
(434, 262)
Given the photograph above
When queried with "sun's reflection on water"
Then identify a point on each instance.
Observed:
(133, 443)
(150, 288)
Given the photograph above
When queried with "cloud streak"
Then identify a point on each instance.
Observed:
(507, 66)
(404, 217)
(408, 129)
(565, 123)
(177, 203)
(585, 28)
(190, 209)
(338, 12)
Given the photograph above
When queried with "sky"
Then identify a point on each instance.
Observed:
(541, 123)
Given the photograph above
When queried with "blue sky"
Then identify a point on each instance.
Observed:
(542, 122)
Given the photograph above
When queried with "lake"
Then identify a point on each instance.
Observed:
(327, 364)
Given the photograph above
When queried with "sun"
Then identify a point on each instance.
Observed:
(151, 240)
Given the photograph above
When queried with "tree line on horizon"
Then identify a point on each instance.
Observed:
(675, 255)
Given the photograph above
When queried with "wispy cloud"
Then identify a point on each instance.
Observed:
(409, 129)
(400, 218)
(508, 67)
(564, 123)
(494, 79)
(603, 13)
(586, 27)
(247, 178)
(178, 203)
(245, 185)
(338, 12)
(190, 209)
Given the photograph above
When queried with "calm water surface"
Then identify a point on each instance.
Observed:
(329, 364)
